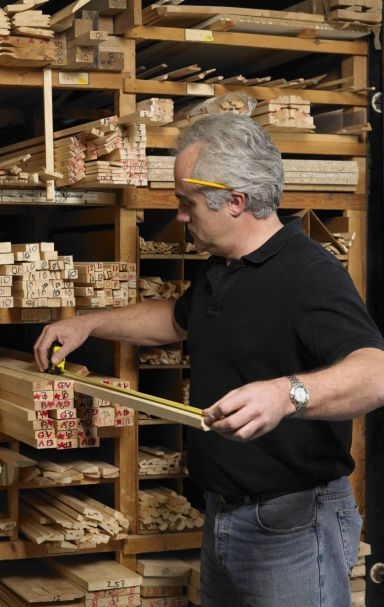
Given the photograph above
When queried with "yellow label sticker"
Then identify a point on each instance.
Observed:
(195, 35)
(73, 78)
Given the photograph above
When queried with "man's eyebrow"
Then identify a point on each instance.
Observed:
(183, 197)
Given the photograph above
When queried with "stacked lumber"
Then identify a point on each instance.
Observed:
(23, 51)
(10, 462)
(97, 413)
(112, 155)
(105, 583)
(66, 471)
(81, 152)
(32, 23)
(160, 169)
(5, 23)
(90, 45)
(158, 460)
(30, 582)
(358, 577)
(355, 11)
(238, 103)
(154, 247)
(70, 520)
(284, 113)
(153, 287)
(14, 171)
(163, 510)
(34, 410)
(102, 284)
(88, 34)
(341, 175)
(34, 275)
(161, 356)
(7, 526)
(164, 581)
(194, 582)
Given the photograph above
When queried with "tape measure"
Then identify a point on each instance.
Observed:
(59, 369)
(55, 369)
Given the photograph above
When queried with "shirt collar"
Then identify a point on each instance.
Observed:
(292, 226)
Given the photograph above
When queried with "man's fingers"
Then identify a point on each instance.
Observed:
(230, 403)
(232, 423)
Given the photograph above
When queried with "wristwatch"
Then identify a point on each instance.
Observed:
(298, 394)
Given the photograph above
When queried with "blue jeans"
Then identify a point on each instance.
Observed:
(295, 550)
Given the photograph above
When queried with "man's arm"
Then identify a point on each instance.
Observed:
(347, 389)
(146, 324)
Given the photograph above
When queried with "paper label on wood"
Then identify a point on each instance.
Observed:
(199, 88)
(73, 78)
(196, 35)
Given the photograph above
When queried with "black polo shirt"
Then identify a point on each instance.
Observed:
(288, 307)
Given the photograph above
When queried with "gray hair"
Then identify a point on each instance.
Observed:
(237, 152)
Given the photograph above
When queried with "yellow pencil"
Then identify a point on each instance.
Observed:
(209, 184)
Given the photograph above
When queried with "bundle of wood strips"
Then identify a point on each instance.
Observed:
(164, 581)
(102, 284)
(153, 287)
(161, 509)
(158, 460)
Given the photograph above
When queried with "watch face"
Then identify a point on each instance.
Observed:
(301, 394)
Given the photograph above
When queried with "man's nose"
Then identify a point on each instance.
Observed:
(182, 215)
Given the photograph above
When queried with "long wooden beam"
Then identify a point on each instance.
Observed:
(34, 78)
(138, 403)
(286, 43)
(155, 87)
(143, 198)
(175, 412)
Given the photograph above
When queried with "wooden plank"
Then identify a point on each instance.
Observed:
(154, 87)
(194, 14)
(165, 199)
(261, 41)
(140, 404)
(36, 583)
(48, 132)
(97, 575)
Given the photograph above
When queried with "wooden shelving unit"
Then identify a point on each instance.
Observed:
(352, 56)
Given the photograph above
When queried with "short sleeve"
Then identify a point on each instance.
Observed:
(331, 320)
(182, 308)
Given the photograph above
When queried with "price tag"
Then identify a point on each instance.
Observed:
(73, 78)
(195, 35)
(199, 88)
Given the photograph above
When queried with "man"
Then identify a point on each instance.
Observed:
(283, 354)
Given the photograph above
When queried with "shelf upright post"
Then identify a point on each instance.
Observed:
(126, 447)
(48, 132)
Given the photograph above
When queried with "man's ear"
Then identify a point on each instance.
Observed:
(236, 205)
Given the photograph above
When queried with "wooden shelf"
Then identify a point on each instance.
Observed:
(160, 542)
(142, 198)
(35, 485)
(29, 77)
(314, 144)
(24, 549)
(257, 41)
(26, 315)
(174, 89)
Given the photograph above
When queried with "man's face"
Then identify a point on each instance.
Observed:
(207, 227)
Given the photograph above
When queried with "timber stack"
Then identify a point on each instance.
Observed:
(161, 356)
(162, 510)
(153, 287)
(69, 521)
(155, 460)
(109, 151)
(103, 284)
(164, 581)
(34, 275)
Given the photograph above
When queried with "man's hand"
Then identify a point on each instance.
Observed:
(250, 411)
(71, 333)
